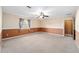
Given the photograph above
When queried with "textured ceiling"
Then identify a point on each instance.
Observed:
(34, 11)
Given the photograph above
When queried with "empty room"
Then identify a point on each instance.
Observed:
(40, 29)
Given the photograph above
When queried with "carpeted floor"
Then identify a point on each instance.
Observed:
(39, 43)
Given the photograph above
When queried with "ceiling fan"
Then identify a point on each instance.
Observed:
(42, 15)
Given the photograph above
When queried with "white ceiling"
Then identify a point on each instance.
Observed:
(34, 11)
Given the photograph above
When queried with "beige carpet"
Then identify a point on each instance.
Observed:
(40, 43)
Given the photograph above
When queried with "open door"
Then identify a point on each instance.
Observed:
(68, 28)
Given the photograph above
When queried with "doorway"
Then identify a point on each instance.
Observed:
(69, 28)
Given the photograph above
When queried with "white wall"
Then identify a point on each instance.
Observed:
(77, 21)
(0, 19)
(77, 28)
(53, 23)
(48, 23)
(0, 25)
(10, 21)
(35, 23)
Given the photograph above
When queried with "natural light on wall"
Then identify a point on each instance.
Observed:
(26, 23)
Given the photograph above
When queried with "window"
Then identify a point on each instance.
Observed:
(24, 24)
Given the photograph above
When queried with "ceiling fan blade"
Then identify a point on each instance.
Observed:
(46, 16)
(29, 6)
